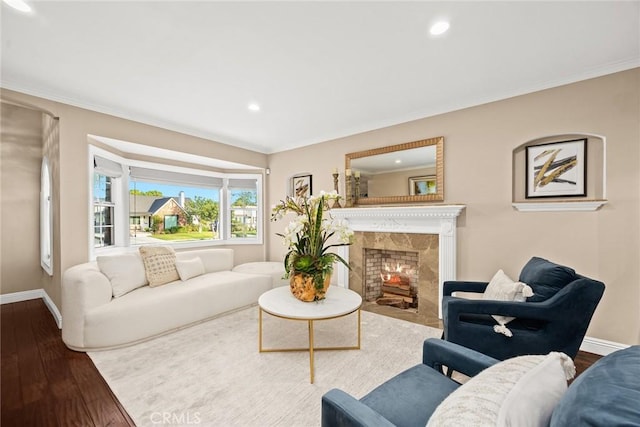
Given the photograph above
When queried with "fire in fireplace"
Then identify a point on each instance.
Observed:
(391, 278)
(396, 288)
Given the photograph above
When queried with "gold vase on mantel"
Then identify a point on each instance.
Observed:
(303, 287)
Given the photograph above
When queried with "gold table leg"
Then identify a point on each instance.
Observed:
(260, 332)
(312, 348)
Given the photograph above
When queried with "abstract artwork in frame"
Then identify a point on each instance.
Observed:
(300, 186)
(422, 185)
(557, 169)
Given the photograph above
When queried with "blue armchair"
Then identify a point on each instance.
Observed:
(554, 319)
(409, 398)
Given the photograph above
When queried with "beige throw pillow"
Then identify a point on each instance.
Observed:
(159, 264)
(189, 268)
(503, 288)
(522, 391)
(125, 272)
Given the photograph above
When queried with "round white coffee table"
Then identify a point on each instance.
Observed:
(281, 303)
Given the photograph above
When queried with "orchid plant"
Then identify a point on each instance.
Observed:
(311, 234)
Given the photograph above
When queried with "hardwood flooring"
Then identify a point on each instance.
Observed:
(45, 384)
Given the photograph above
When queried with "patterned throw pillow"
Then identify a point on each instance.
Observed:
(522, 391)
(503, 288)
(159, 264)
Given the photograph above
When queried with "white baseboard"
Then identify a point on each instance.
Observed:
(20, 296)
(34, 294)
(601, 347)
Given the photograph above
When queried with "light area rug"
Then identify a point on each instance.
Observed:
(212, 374)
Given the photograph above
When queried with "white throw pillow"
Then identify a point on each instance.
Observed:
(159, 264)
(503, 288)
(125, 272)
(189, 268)
(522, 391)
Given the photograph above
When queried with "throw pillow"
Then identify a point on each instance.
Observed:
(503, 288)
(159, 264)
(125, 272)
(545, 277)
(189, 268)
(522, 391)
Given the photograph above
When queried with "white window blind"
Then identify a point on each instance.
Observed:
(175, 178)
(243, 184)
(107, 167)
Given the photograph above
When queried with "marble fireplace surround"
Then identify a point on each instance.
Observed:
(437, 219)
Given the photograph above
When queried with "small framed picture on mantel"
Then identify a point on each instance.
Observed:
(557, 169)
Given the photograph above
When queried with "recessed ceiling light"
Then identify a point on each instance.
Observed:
(439, 27)
(398, 161)
(19, 5)
(254, 107)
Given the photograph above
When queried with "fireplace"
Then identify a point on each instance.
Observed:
(418, 252)
(391, 278)
(428, 230)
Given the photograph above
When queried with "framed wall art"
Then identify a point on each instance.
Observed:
(557, 169)
(300, 186)
(422, 185)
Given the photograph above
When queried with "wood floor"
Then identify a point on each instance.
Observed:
(43, 382)
(46, 384)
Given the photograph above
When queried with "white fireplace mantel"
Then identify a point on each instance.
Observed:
(439, 219)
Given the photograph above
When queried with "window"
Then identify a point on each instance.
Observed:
(243, 208)
(174, 207)
(106, 177)
(46, 219)
(170, 221)
(152, 203)
(103, 211)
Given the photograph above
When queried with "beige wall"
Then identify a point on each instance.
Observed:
(21, 156)
(72, 240)
(479, 144)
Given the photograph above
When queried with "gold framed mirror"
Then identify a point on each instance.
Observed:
(403, 173)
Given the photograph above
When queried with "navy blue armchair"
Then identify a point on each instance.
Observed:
(409, 398)
(554, 319)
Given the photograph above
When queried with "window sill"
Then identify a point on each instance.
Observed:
(565, 206)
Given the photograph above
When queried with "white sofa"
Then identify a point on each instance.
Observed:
(93, 319)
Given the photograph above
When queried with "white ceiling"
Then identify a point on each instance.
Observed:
(319, 70)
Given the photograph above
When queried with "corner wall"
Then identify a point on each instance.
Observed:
(478, 148)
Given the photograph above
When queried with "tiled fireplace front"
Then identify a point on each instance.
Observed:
(425, 250)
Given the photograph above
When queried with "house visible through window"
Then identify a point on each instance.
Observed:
(173, 212)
